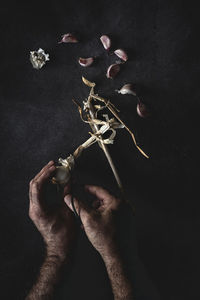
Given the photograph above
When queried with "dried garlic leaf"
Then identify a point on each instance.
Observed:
(88, 83)
(115, 114)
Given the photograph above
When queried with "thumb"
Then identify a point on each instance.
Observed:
(66, 189)
(68, 201)
(73, 204)
(78, 208)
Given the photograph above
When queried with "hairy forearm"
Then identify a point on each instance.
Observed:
(121, 285)
(49, 276)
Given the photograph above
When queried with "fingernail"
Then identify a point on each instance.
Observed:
(50, 162)
(67, 199)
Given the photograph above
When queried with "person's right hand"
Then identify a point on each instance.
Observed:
(100, 225)
(99, 221)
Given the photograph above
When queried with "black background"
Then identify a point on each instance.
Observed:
(39, 122)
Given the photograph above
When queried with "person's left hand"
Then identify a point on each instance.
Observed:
(58, 228)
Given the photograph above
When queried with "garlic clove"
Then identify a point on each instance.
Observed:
(68, 38)
(121, 54)
(127, 89)
(106, 41)
(142, 110)
(86, 62)
(112, 70)
(62, 175)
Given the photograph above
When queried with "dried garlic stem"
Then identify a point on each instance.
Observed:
(63, 173)
(95, 129)
(104, 128)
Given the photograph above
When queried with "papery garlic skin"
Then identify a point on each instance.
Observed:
(38, 58)
(121, 54)
(63, 172)
(127, 89)
(112, 70)
(86, 62)
(68, 38)
(106, 42)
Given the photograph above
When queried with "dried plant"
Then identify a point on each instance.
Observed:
(89, 114)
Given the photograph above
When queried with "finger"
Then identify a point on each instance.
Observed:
(34, 194)
(68, 201)
(38, 175)
(100, 193)
(44, 176)
(67, 189)
(35, 208)
(97, 203)
(79, 206)
(50, 163)
(36, 185)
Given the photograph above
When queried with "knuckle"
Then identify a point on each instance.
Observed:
(31, 182)
(31, 214)
(35, 184)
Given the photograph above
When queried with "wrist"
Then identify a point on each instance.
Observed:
(110, 254)
(55, 255)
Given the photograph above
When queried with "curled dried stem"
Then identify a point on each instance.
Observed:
(112, 109)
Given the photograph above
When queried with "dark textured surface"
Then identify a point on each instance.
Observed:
(39, 123)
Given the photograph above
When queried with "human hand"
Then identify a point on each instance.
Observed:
(99, 221)
(58, 228)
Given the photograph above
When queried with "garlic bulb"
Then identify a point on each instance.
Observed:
(62, 175)
(38, 58)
